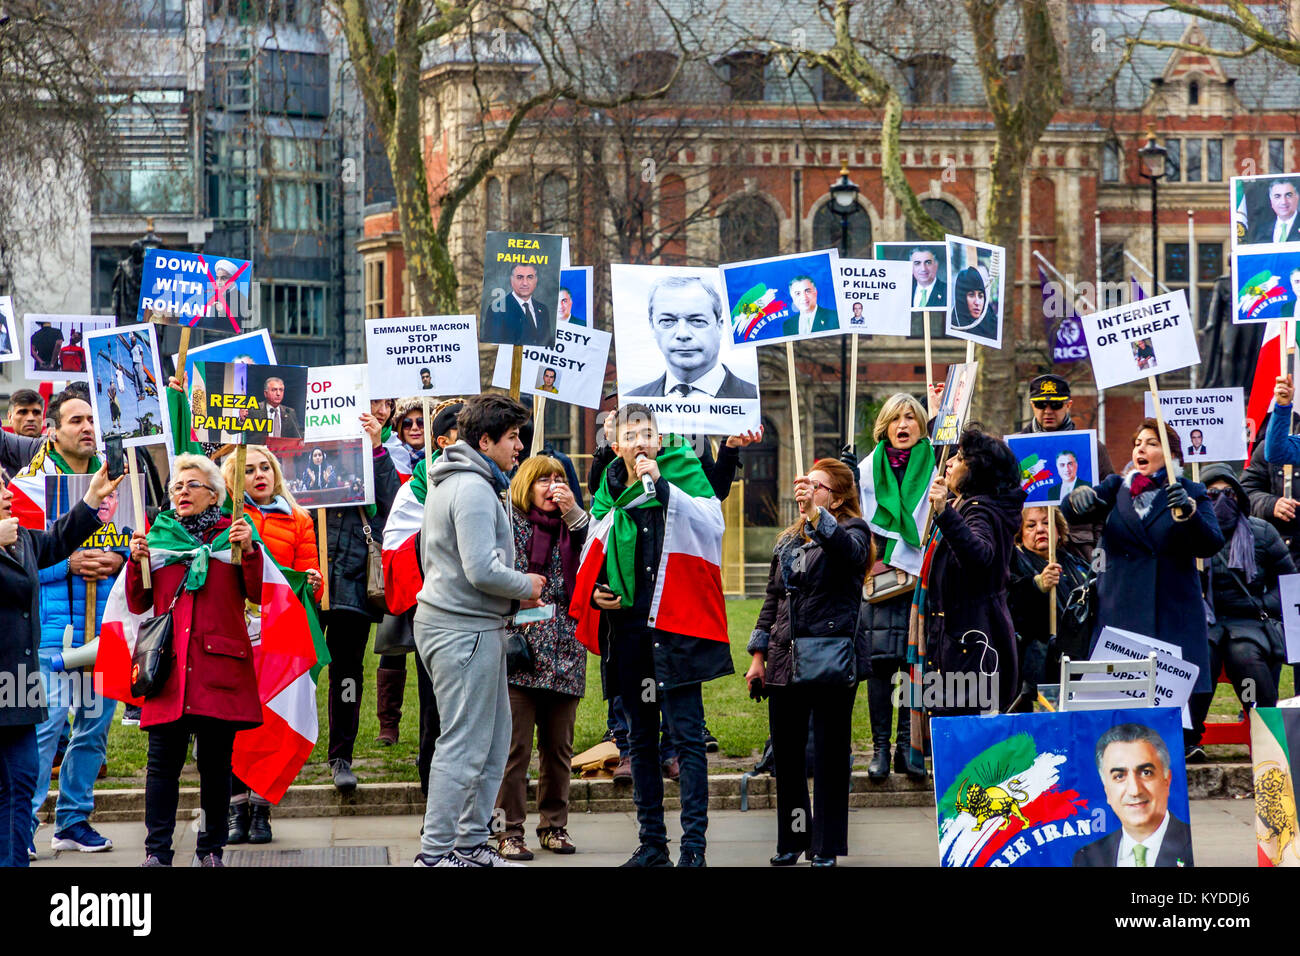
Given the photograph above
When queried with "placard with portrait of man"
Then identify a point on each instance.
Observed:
(1265, 209)
(521, 289)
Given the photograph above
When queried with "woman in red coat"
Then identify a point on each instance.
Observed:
(289, 535)
(211, 691)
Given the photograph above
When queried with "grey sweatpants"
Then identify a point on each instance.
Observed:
(468, 672)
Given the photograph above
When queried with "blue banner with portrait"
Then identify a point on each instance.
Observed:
(1052, 464)
(785, 298)
(1093, 788)
(1266, 284)
(188, 288)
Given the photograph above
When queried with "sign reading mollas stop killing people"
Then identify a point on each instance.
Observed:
(1141, 338)
(208, 292)
(876, 293)
(422, 355)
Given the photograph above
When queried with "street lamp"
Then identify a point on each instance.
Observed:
(1152, 157)
(844, 203)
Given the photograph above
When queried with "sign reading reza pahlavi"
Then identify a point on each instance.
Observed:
(521, 288)
(1142, 338)
(187, 288)
(1053, 464)
(247, 404)
(1210, 421)
(423, 355)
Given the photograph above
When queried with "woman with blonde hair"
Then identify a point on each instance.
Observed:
(547, 665)
(893, 482)
(814, 590)
(290, 537)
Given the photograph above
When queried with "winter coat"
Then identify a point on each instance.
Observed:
(1084, 537)
(1238, 614)
(20, 631)
(1263, 480)
(1147, 580)
(1042, 663)
(886, 623)
(212, 673)
(346, 542)
(721, 471)
(814, 589)
(969, 629)
(289, 535)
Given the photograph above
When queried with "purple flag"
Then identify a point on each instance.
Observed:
(1064, 335)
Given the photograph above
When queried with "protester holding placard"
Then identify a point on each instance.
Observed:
(1032, 578)
(1246, 637)
(893, 482)
(1265, 480)
(968, 625)
(814, 590)
(1148, 582)
(546, 664)
(406, 445)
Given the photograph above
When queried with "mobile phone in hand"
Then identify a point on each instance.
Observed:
(115, 456)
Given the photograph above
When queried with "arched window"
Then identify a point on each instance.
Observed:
(555, 203)
(748, 229)
(1193, 93)
(492, 203)
(647, 71)
(521, 204)
(672, 220)
(942, 212)
(928, 75)
(828, 231)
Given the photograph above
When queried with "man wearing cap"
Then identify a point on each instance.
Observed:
(1049, 396)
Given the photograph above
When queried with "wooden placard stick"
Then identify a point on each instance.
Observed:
(1179, 514)
(90, 630)
(1287, 350)
(929, 362)
(237, 499)
(133, 479)
(794, 409)
(539, 424)
(1051, 559)
(970, 351)
(180, 355)
(322, 552)
(1196, 476)
(516, 370)
(851, 424)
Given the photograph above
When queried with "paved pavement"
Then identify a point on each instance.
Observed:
(1223, 835)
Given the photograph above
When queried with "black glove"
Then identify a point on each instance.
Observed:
(1177, 496)
(849, 458)
(1083, 499)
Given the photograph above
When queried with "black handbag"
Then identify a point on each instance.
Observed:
(1273, 629)
(826, 660)
(152, 658)
(394, 635)
(519, 656)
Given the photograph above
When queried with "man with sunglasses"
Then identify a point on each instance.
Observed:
(1049, 397)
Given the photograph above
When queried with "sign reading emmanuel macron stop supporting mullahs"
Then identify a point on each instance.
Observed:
(1141, 338)
(422, 355)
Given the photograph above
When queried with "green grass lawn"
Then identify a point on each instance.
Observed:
(739, 723)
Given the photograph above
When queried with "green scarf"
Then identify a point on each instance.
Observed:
(168, 536)
(420, 479)
(895, 500)
(679, 466)
(178, 408)
(62, 465)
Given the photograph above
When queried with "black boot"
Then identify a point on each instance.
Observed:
(903, 750)
(238, 820)
(880, 709)
(259, 830)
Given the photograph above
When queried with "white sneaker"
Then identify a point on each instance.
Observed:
(482, 855)
(447, 859)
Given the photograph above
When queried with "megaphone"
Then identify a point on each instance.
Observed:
(74, 657)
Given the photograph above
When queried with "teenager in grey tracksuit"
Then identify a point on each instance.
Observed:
(470, 587)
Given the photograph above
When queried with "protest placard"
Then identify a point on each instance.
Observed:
(1264, 209)
(521, 288)
(928, 266)
(1175, 677)
(126, 386)
(572, 371)
(250, 348)
(1275, 753)
(1266, 282)
(1042, 789)
(576, 303)
(958, 390)
(1289, 592)
(876, 294)
(117, 511)
(1211, 423)
(423, 355)
(9, 351)
(330, 474)
(675, 352)
(56, 346)
(977, 290)
(1141, 339)
(1052, 464)
(247, 404)
(196, 290)
(337, 395)
(784, 298)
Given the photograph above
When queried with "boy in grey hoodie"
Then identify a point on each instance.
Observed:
(470, 586)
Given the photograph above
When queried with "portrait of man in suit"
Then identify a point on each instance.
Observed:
(686, 320)
(927, 291)
(1281, 224)
(809, 317)
(1197, 445)
(520, 319)
(1133, 761)
(284, 420)
(1067, 466)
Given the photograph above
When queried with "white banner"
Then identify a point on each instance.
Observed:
(573, 371)
(877, 296)
(1175, 677)
(1289, 589)
(1210, 422)
(423, 355)
(336, 397)
(1142, 338)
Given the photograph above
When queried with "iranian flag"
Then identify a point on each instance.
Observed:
(688, 584)
(284, 637)
(401, 457)
(1274, 742)
(898, 511)
(402, 574)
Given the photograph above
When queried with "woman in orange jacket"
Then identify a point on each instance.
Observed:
(289, 534)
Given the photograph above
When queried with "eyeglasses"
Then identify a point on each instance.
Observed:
(177, 487)
(552, 480)
(826, 488)
(1218, 492)
(1042, 403)
(413, 422)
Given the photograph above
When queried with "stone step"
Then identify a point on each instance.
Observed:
(1204, 782)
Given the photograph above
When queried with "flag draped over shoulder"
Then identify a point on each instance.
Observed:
(688, 583)
(1274, 742)
(402, 576)
(178, 409)
(284, 636)
(898, 511)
